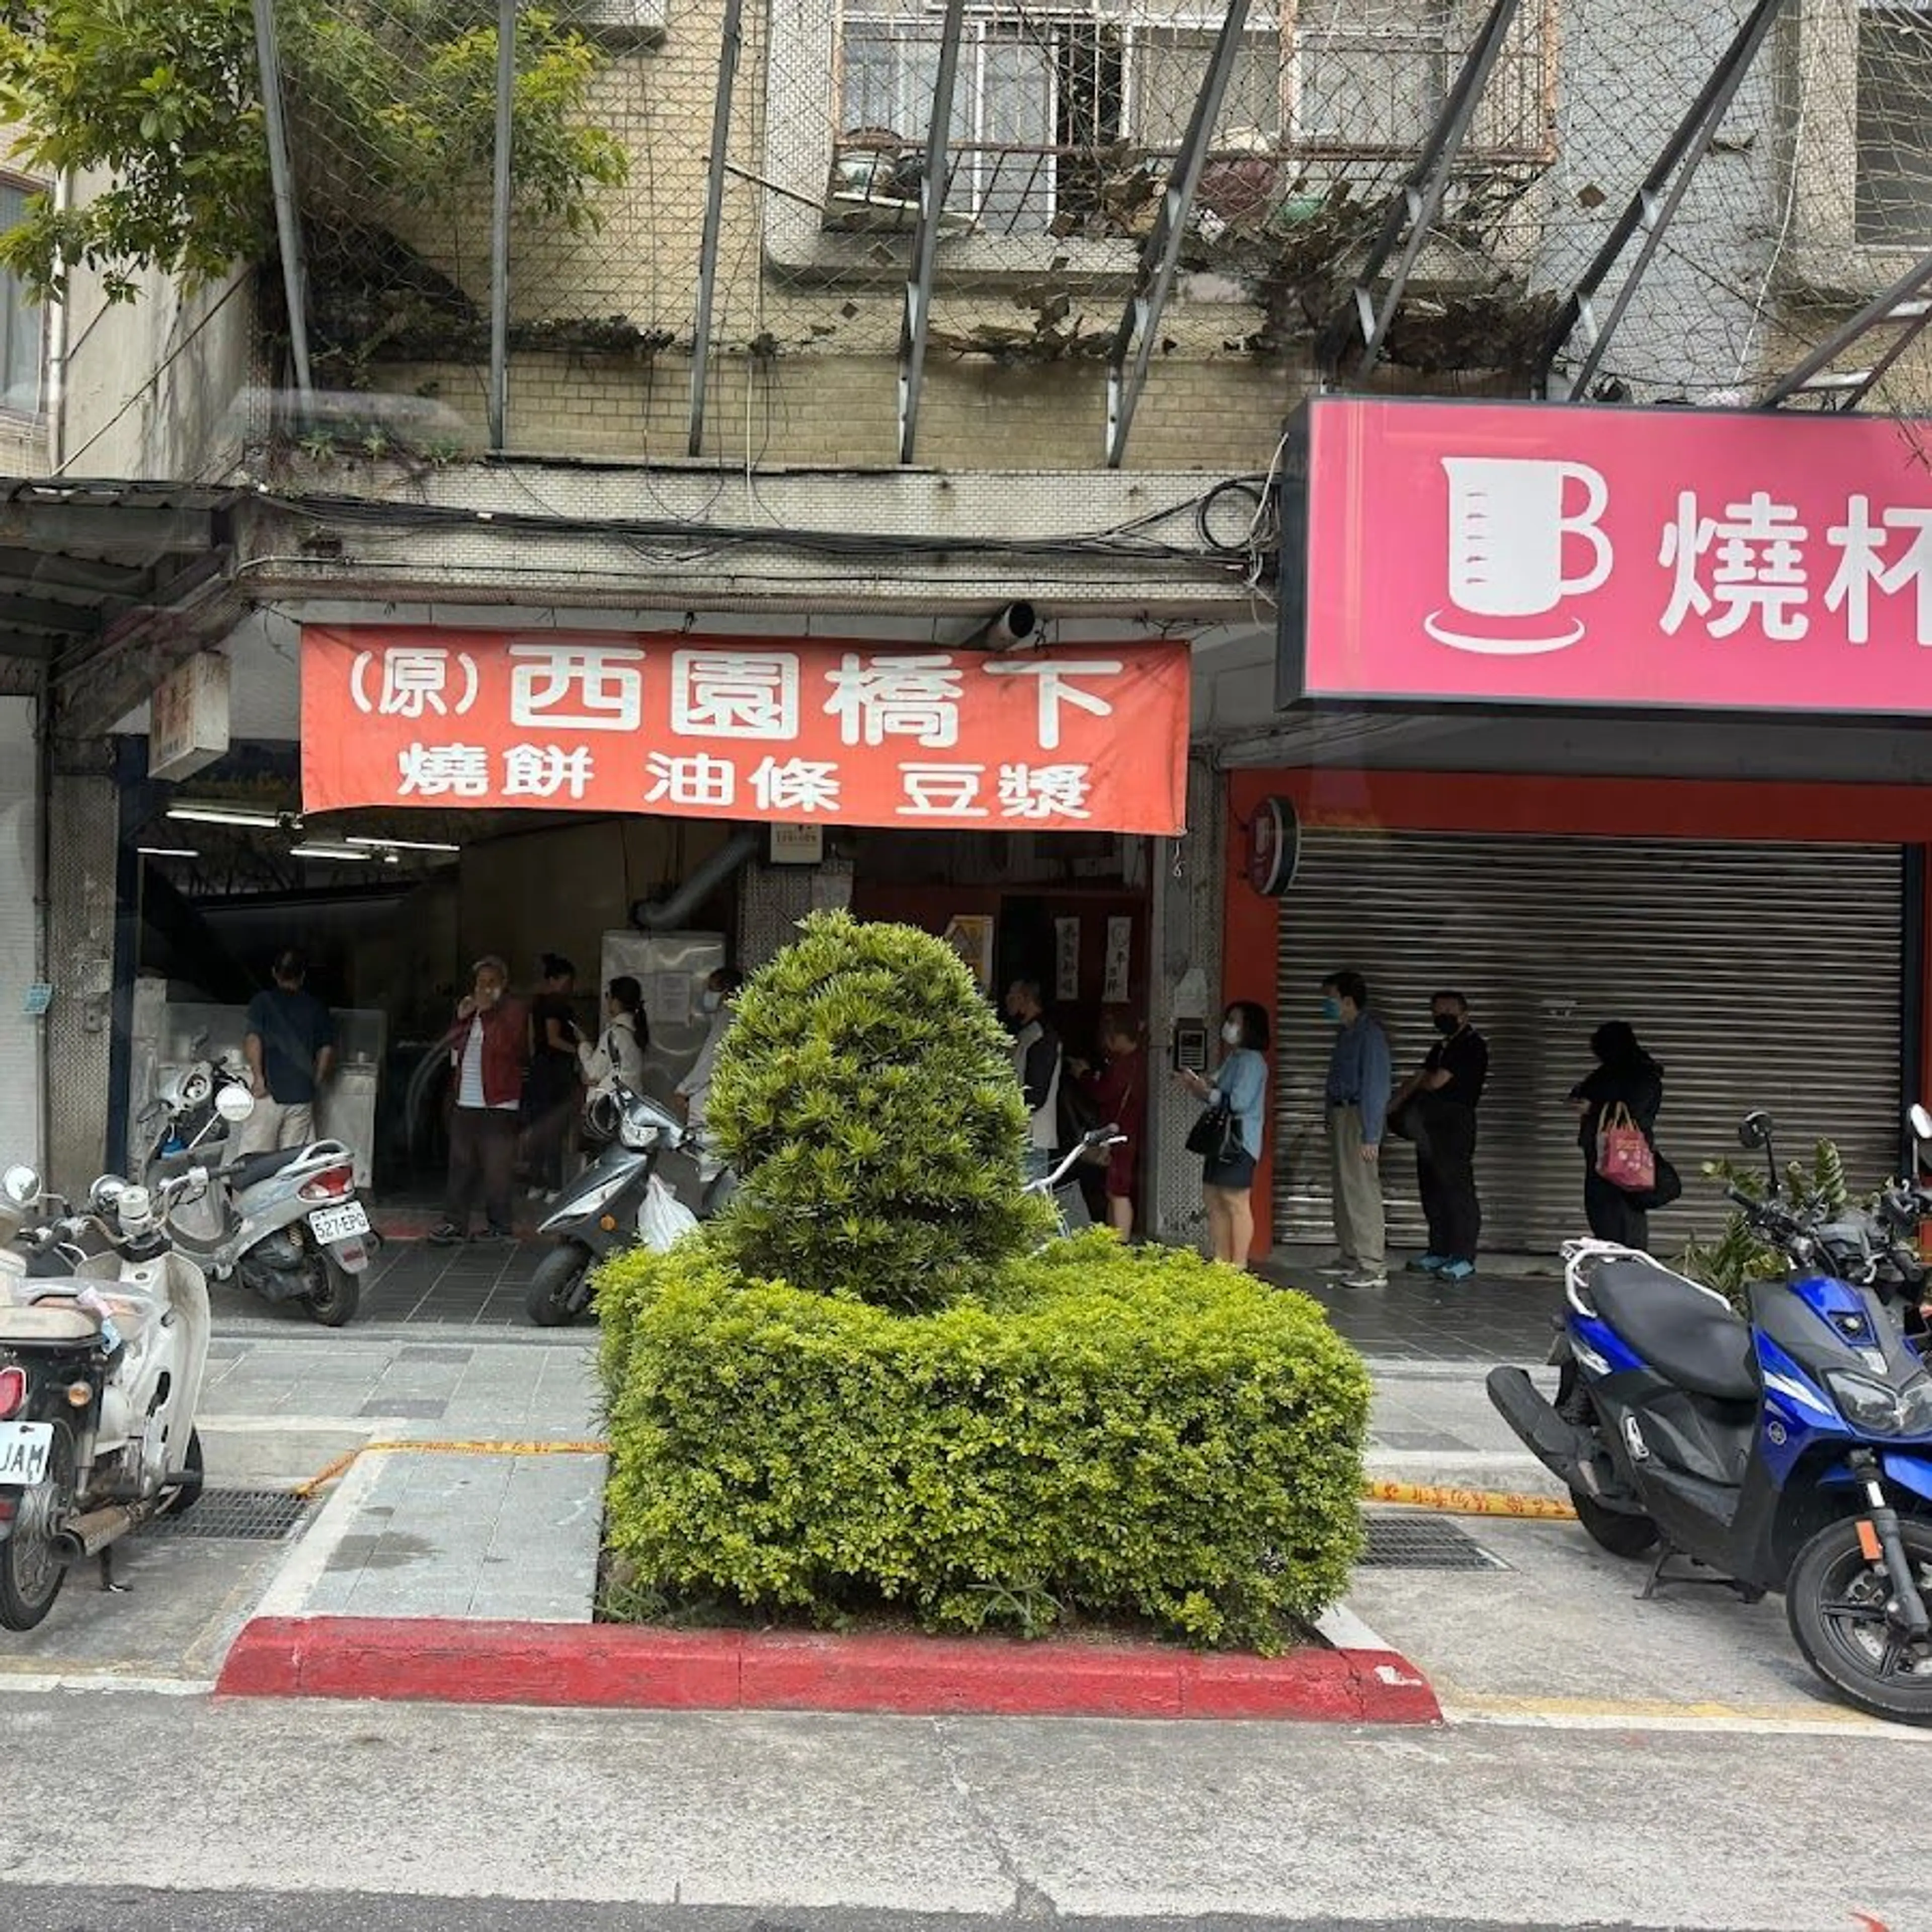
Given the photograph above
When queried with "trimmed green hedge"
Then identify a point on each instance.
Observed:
(1112, 1432)
(865, 1095)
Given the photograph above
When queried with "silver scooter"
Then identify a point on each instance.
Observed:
(598, 1213)
(288, 1224)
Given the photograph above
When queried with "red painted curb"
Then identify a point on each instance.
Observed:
(614, 1666)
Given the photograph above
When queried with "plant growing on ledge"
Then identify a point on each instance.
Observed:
(392, 116)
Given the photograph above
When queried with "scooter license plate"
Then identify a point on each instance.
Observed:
(339, 1224)
(25, 1448)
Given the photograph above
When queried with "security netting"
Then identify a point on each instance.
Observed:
(1067, 118)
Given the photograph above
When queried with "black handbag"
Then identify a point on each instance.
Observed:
(1217, 1134)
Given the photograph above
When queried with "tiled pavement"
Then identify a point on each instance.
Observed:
(1493, 1318)
(477, 1284)
(1504, 1317)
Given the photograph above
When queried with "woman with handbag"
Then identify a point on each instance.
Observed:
(1617, 1107)
(1228, 1136)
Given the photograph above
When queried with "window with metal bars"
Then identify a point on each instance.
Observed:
(1062, 116)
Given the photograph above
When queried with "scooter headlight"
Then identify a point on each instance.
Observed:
(1879, 1409)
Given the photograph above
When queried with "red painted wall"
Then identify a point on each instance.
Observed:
(1483, 801)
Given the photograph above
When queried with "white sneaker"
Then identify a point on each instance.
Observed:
(1338, 1270)
(1363, 1278)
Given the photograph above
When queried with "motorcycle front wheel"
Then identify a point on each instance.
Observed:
(31, 1569)
(552, 1301)
(1835, 1601)
(336, 1294)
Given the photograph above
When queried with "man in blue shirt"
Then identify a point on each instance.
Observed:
(1360, 1078)
(291, 1050)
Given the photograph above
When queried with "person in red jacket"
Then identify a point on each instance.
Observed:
(489, 1044)
(1118, 1093)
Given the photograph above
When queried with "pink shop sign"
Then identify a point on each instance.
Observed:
(1575, 555)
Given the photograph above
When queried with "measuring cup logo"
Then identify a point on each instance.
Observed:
(1514, 522)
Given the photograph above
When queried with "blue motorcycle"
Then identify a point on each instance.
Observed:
(1791, 1452)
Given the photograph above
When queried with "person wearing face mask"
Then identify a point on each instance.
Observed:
(1036, 1065)
(1361, 1079)
(694, 1089)
(488, 1046)
(1445, 1090)
(1241, 1081)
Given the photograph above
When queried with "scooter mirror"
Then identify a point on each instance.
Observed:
(234, 1104)
(1919, 1120)
(1755, 1130)
(21, 1185)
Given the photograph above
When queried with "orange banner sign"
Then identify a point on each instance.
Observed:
(794, 731)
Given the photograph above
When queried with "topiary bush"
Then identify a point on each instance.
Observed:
(1108, 1431)
(865, 1095)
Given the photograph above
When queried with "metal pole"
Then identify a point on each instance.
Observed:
(500, 226)
(1160, 253)
(714, 216)
(1421, 198)
(1906, 294)
(281, 176)
(916, 317)
(1687, 147)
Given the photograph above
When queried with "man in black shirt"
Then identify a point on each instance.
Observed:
(1445, 1089)
(290, 1045)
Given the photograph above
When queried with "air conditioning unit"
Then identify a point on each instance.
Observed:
(619, 25)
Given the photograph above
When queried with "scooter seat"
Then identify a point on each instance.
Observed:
(1685, 1335)
(254, 1167)
(47, 1324)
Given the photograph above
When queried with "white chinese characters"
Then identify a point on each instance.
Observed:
(414, 681)
(576, 687)
(734, 695)
(915, 698)
(1865, 565)
(1756, 555)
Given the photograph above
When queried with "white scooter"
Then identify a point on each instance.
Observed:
(287, 1224)
(103, 1343)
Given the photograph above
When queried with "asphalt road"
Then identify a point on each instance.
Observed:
(106, 1909)
(451, 1817)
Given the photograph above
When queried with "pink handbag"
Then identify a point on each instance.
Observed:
(1624, 1156)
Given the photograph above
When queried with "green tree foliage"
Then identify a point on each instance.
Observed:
(391, 108)
(1115, 1432)
(865, 1095)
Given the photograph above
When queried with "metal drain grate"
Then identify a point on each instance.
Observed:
(238, 1516)
(1423, 1542)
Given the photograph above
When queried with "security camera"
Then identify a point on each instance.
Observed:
(1015, 628)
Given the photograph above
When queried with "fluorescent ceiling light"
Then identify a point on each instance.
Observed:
(322, 849)
(402, 844)
(225, 815)
(167, 851)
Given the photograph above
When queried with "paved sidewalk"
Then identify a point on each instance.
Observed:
(434, 1532)
(1497, 1317)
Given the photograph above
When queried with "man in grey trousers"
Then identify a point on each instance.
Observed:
(1360, 1078)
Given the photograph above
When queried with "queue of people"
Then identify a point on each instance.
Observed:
(1434, 1107)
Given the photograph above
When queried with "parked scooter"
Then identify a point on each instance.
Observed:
(601, 1211)
(292, 1227)
(102, 1344)
(1790, 1453)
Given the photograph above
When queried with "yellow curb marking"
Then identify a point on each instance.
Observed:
(475, 1447)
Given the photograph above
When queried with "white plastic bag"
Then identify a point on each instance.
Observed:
(663, 1217)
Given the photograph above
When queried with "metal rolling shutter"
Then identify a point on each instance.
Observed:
(1765, 975)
